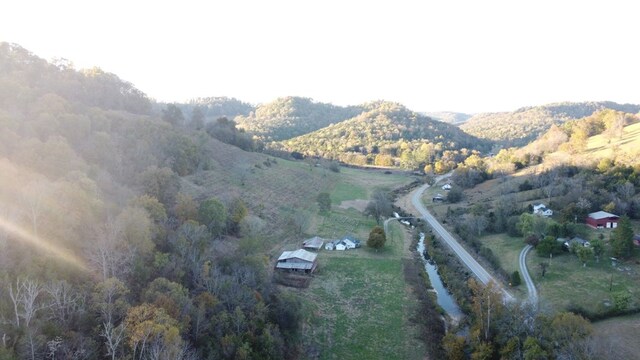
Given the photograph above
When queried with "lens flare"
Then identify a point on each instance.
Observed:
(18, 233)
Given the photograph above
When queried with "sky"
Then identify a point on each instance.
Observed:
(465, 56)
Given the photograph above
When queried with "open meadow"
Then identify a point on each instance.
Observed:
(358, 305)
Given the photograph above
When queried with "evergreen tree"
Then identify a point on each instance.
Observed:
(622, 238)
(324, 202)
(515, 278)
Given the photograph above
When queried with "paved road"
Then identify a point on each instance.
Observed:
(531, 288)
(477, 269)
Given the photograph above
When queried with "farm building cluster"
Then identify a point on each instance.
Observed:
(344, 244)
(305, 260)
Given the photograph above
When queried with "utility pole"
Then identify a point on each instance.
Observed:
(486, 332)
(611, 283)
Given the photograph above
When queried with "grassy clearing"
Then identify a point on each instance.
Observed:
(361, 306)
(347, 191)
(568, 284)
(358, 303)
(619, 337)
(342, 222)
(508, 249)
(360, 184)
(602, 146)
(360, 309)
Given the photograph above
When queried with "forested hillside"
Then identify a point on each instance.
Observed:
(126, 233)
(388, 134)
(288, 117)
(524, 125)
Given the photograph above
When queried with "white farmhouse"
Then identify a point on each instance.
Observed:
(542, 210)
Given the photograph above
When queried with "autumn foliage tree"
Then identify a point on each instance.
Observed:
(377, 238)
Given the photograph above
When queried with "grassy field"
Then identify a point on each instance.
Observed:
(601, 146)
(359, 184)
(508, 250)
(619, 337)
(359, 305)
(568, 284)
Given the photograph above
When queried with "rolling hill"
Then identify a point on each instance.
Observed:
(288, 117)
(519, 127)
(384, 129)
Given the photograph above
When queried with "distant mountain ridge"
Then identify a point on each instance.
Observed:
(220, 106)
(450, 117)
(519, 127)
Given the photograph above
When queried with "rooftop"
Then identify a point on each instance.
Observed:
(601, 215)
(314, 242)
(300, 254)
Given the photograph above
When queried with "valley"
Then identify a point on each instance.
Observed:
(131, 227)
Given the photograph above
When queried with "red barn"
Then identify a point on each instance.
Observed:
(602, 220)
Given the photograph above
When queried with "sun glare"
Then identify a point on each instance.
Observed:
(19, 234)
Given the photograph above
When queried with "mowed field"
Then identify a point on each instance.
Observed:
(358, 305)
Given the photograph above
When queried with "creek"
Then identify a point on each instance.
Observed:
(443, 296)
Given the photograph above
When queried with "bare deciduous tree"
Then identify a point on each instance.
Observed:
(64, 301)
(25, 300)
(34, 199)
(107, 253)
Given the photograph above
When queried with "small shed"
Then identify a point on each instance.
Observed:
(329, 245)
(298, 260)
(602, 220)
(438, 198)
(314, 243)
(341, 246)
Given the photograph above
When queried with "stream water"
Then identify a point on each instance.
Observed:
(443, 297)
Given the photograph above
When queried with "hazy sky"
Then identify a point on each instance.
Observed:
(468, 56)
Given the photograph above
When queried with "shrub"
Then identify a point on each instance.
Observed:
(515, 278)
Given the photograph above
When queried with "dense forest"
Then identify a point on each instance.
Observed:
(107, 246)
(288, 117)
(524, 125)
(389, 134)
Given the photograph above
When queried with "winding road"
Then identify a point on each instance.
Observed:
(480, 272)
(531, 288)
